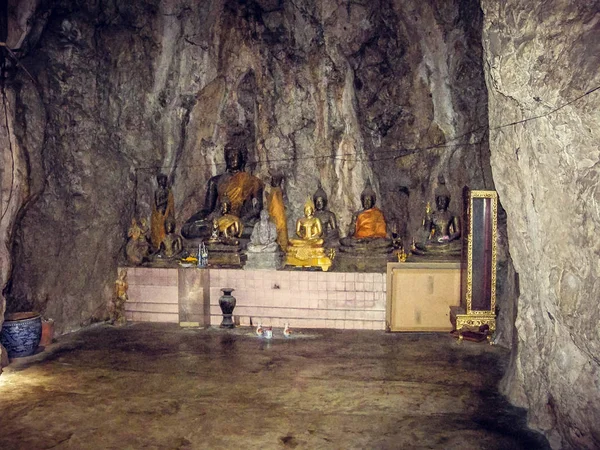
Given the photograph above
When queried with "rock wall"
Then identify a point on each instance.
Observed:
(542, 60)
(337, 91)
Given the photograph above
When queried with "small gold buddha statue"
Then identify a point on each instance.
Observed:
(441, 228)
(308, 250)
(230, 225)
(137, 249)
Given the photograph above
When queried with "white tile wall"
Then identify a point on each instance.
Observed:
(302, 298)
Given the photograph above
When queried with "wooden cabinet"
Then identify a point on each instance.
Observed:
(419, 295)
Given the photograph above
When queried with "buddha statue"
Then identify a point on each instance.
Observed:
(441, 228)
(244, 191)
(264, 236)
(367, 247)
(328, 220)
(230, 226)
(171, 245)
(224, 247)
(370, 221)
(162, 209)
(308, 249)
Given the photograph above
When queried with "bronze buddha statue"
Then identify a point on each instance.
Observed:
(367, 247)
(442, 229)
(308, 250)
(244, 191)
(171, 245)
(162, 209)
(328, 219)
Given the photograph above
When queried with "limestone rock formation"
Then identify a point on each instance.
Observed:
(542, 62)
(336, 91)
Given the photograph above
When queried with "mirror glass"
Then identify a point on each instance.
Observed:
(482, 254)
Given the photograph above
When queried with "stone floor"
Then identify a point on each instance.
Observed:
(156, 386)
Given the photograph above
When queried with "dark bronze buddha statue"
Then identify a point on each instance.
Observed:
(367, 247)
(244, 191)
(442, 229)
(328, 219)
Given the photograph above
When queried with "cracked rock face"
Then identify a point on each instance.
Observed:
(332, 91)
(539, 57)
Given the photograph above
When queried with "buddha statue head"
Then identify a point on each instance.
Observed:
(309, 208)
(442, 196)
(368, 196)
(320, 198)
(234, 157)
(161, 179)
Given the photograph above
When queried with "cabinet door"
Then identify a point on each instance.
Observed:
(421, 298)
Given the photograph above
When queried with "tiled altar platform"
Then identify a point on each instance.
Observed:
(305, 299)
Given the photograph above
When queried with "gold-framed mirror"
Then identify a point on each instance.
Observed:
(478, 305)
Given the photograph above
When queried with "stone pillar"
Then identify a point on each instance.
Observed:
(194, 297)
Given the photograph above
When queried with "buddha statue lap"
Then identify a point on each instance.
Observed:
(367, 247)
(308, 249)
(244, 191)
(328, 219)
(441, 228)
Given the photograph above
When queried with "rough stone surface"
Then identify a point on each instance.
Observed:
(162, 387)
(337, 91)
(541, 59)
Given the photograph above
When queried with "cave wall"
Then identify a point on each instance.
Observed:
(541, 60)
(337, 91)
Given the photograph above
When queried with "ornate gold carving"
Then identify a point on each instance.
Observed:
(493, 196)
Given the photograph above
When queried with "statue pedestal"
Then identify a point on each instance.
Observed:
(221, 255)
(352, 262)
(264, 261)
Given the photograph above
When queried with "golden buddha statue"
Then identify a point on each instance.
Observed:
(137, 249)
(244, 191)
(224, 248)
(308, 250)
(230, 225)
(441, 228)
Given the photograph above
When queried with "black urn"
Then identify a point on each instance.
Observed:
(227, 303)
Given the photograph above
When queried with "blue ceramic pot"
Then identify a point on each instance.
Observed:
(21, 333)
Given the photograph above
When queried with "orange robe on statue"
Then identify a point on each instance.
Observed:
(157, 221)
(370, 224)
(238, 189)
(277, 213)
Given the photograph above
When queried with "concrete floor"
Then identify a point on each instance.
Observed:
(156, 386)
